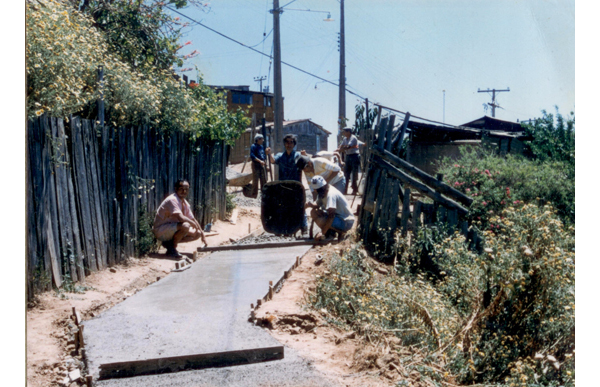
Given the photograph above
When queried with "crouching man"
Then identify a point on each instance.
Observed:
(174, 222)
(331, 210)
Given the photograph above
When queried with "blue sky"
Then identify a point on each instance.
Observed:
(401, 54)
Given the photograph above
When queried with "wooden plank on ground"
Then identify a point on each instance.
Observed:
(254, 246)
(190, 362)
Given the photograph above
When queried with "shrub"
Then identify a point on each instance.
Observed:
(146, 242)
(496, 183)
(503, 316)
(63, 52)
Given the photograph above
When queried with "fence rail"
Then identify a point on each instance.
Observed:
(86, 184)
(387, 200)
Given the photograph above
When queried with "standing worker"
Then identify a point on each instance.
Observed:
(352, 161)
(288, 170)
(259, 158)
(174, 222)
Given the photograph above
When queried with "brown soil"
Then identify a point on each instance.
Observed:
(50, 345)
(344, 357)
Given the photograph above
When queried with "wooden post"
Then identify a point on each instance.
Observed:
(381, 134)
(436, 204)
(81, 342)
(403, 131)
(390, 130)
(452, 217)
(417, 215)
(89, 380)
(405, 210)
(100, 101)
(297, 260)
(464, 227)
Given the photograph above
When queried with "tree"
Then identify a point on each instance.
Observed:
(142, 33)
(553, 138)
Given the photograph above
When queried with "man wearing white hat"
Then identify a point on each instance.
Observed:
(331, 210)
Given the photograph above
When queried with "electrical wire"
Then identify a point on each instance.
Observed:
(259, 52)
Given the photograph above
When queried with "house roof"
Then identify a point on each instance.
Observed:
(292, 122)
(492, 123)
(438, 133)
(242, 88)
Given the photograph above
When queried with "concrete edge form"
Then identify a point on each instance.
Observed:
(189, 362)
(266, 245)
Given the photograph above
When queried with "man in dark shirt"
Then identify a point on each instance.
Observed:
(258, 156)
(287, 166)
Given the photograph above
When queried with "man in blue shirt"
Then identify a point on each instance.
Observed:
(287, 166)
(258, 156)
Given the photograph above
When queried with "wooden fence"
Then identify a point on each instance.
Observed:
(388, 202)
(86, 184)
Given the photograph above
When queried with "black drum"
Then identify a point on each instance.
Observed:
(282, 206)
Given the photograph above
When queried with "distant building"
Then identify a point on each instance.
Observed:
(429, 143)
(310, 137)
(260, 103)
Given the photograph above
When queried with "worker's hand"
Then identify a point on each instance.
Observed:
(268, 150)
(303, 152)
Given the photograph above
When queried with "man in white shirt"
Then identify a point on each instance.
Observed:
(318, 166)
(331, 210)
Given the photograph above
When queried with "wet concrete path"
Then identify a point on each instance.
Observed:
(204, 309)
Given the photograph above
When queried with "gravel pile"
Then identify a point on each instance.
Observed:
(265, 238)
(242, 201)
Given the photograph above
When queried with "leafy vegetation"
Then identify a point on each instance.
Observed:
(503, 314)
(496, 183)
(146, 242)
(65, 48)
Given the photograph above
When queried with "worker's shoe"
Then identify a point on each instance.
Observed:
(304, 231)
(173, 253)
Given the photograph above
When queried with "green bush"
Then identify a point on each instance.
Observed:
(496, 183)
(505, 316)
(65, 47)
(146, 242)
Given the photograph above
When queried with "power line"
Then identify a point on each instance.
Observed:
(259, 52)
(299, 69)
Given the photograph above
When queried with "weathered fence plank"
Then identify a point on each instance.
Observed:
(438, 185)
(424, 189)
(83, 191)
(83, 202)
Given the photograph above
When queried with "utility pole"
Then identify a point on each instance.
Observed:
(342, 96)
(260, 79)
(277, 146)
(494, 105)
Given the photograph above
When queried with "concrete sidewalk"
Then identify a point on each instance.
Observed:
(201, 310)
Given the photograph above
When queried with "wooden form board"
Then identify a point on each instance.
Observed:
(189, 362)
